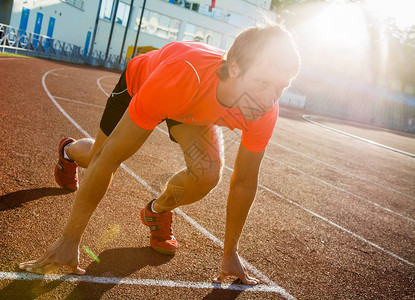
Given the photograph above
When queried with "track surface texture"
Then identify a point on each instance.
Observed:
(334, 216)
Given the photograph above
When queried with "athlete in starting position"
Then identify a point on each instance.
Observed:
(194, 88)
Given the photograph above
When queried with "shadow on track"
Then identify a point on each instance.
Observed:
(224, 294)
(25, 290)
(119, 263)
(16, 199)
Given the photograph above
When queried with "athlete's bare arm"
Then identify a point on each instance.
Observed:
(125, 140)
(242, 192)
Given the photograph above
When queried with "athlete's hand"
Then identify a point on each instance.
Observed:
(62, 253)
(233, 266)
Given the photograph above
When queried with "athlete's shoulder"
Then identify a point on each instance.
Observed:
(189, 49)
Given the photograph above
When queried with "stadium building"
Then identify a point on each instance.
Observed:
(115, 23)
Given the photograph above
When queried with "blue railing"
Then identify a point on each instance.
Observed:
(13, 40)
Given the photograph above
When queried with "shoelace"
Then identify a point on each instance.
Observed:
(165, 221)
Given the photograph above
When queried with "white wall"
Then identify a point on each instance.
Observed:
(72, 24)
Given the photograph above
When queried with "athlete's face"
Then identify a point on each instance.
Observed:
(259, 88)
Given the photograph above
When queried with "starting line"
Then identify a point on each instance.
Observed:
(140, 282)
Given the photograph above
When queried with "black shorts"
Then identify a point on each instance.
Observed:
(117, 104)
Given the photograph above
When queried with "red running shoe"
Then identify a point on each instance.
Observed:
(66, 171)
(162, 239)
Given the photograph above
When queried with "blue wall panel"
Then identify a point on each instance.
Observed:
(38, 27)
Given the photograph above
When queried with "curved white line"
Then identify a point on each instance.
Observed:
(79, 102)
(261, 276)
(100, 86)
(306, 117)
(60, 107)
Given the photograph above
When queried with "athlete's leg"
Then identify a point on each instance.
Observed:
(83, 150)
(202, 148)
(203, 151)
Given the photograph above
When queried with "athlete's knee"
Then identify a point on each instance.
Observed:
(206, 179)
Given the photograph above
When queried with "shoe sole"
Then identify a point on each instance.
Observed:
(163, 251)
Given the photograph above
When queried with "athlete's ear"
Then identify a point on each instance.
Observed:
(234, 70)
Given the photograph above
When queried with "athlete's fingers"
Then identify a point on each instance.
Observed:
(74, 270)
(79, 271)
(246, 279)
(33, 266)
(23, 265)
(220, 278)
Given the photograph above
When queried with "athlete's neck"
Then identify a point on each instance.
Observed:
(224, 93)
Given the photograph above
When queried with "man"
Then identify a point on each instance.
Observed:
(194, 89)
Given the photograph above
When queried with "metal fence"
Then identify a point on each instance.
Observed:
(13, 40)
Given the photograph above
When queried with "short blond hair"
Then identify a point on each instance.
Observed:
(249, 44)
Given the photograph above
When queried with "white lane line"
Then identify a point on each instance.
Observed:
(344, 191)
(364, 125)
(341, 170)
(141, 181)
(308, 118)
(332, 223)
(60, 107)
(79, 102)
(335, 187)
(142, 282)
(100, 86)
(339, 227)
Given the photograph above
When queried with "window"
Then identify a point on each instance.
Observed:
(122, 14)
(159, 25)
(200, 34)
(77, 3)
(107, 11)
(193, 5)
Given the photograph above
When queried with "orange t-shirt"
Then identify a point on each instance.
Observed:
(179, 82)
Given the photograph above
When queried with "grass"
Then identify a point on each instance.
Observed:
(12, 55)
